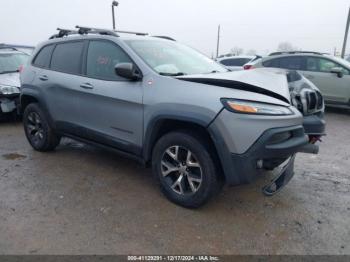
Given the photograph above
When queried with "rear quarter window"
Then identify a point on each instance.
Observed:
(43, 58)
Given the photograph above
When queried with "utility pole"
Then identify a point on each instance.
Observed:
(218, 43)
(346, 36)
(114, 4)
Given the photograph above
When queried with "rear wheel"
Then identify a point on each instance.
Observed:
(185, 169)
(37, 129)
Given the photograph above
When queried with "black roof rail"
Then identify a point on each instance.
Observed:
(295, 52)
(82, 30)
(63, 32)
(91, 30)
(165, 37)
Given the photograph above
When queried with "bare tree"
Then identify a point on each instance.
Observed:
(286, 46)
(237, 51)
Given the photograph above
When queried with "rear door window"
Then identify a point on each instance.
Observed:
(43, 58)
(67, 57)
(292, 62)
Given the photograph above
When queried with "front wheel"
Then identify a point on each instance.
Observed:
(37, 129)
(185, 169)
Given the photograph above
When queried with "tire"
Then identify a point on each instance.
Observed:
(37, 129)
(188, 183)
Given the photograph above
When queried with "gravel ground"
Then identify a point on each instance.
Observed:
(83, 200)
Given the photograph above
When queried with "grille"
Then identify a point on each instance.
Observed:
(314, 101)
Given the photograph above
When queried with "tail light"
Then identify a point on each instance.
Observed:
(20, 69)
(247, 67)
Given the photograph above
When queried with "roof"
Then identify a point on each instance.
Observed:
(120, 38)
(10, 51)
(83, 32)
(296, 52)
(16, 46)
(236, 57)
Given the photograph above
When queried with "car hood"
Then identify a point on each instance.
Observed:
(261, 81)
(11, 79)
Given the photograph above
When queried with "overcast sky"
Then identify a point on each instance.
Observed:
(250, 24)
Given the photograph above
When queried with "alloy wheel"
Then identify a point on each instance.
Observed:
(181, 170)
(34, 127)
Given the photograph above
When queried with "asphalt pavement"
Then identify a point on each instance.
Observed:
(84, 200)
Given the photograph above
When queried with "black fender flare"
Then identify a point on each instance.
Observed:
(222, 150)
(154, 125)
(35, 94)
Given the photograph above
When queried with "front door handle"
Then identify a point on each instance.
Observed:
(43, 78)
(87, 86)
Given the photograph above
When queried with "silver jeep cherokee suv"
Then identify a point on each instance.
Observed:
(198, 125)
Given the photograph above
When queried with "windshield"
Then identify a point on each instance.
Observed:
(342, 61)
(172, 58)
(11, 62)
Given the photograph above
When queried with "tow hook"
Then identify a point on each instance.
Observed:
(281, 180)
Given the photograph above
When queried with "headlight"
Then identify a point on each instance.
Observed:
(9, 90)
(257, 108)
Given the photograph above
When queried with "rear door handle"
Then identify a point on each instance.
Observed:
(43, 78)
(87, 86)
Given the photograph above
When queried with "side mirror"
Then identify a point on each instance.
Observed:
(128, 71)
(338, 71)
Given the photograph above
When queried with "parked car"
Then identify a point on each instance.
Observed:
(198, 125)
(330, 74)
(10, 62)
(235, 63)
(307, 98)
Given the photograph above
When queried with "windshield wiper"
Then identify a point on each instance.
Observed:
(9, 71)
(172, 74)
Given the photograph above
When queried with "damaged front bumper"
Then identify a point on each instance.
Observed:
(271, 150)
(314, 124)
(9, 103)
(282, 179)
(275, 148)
